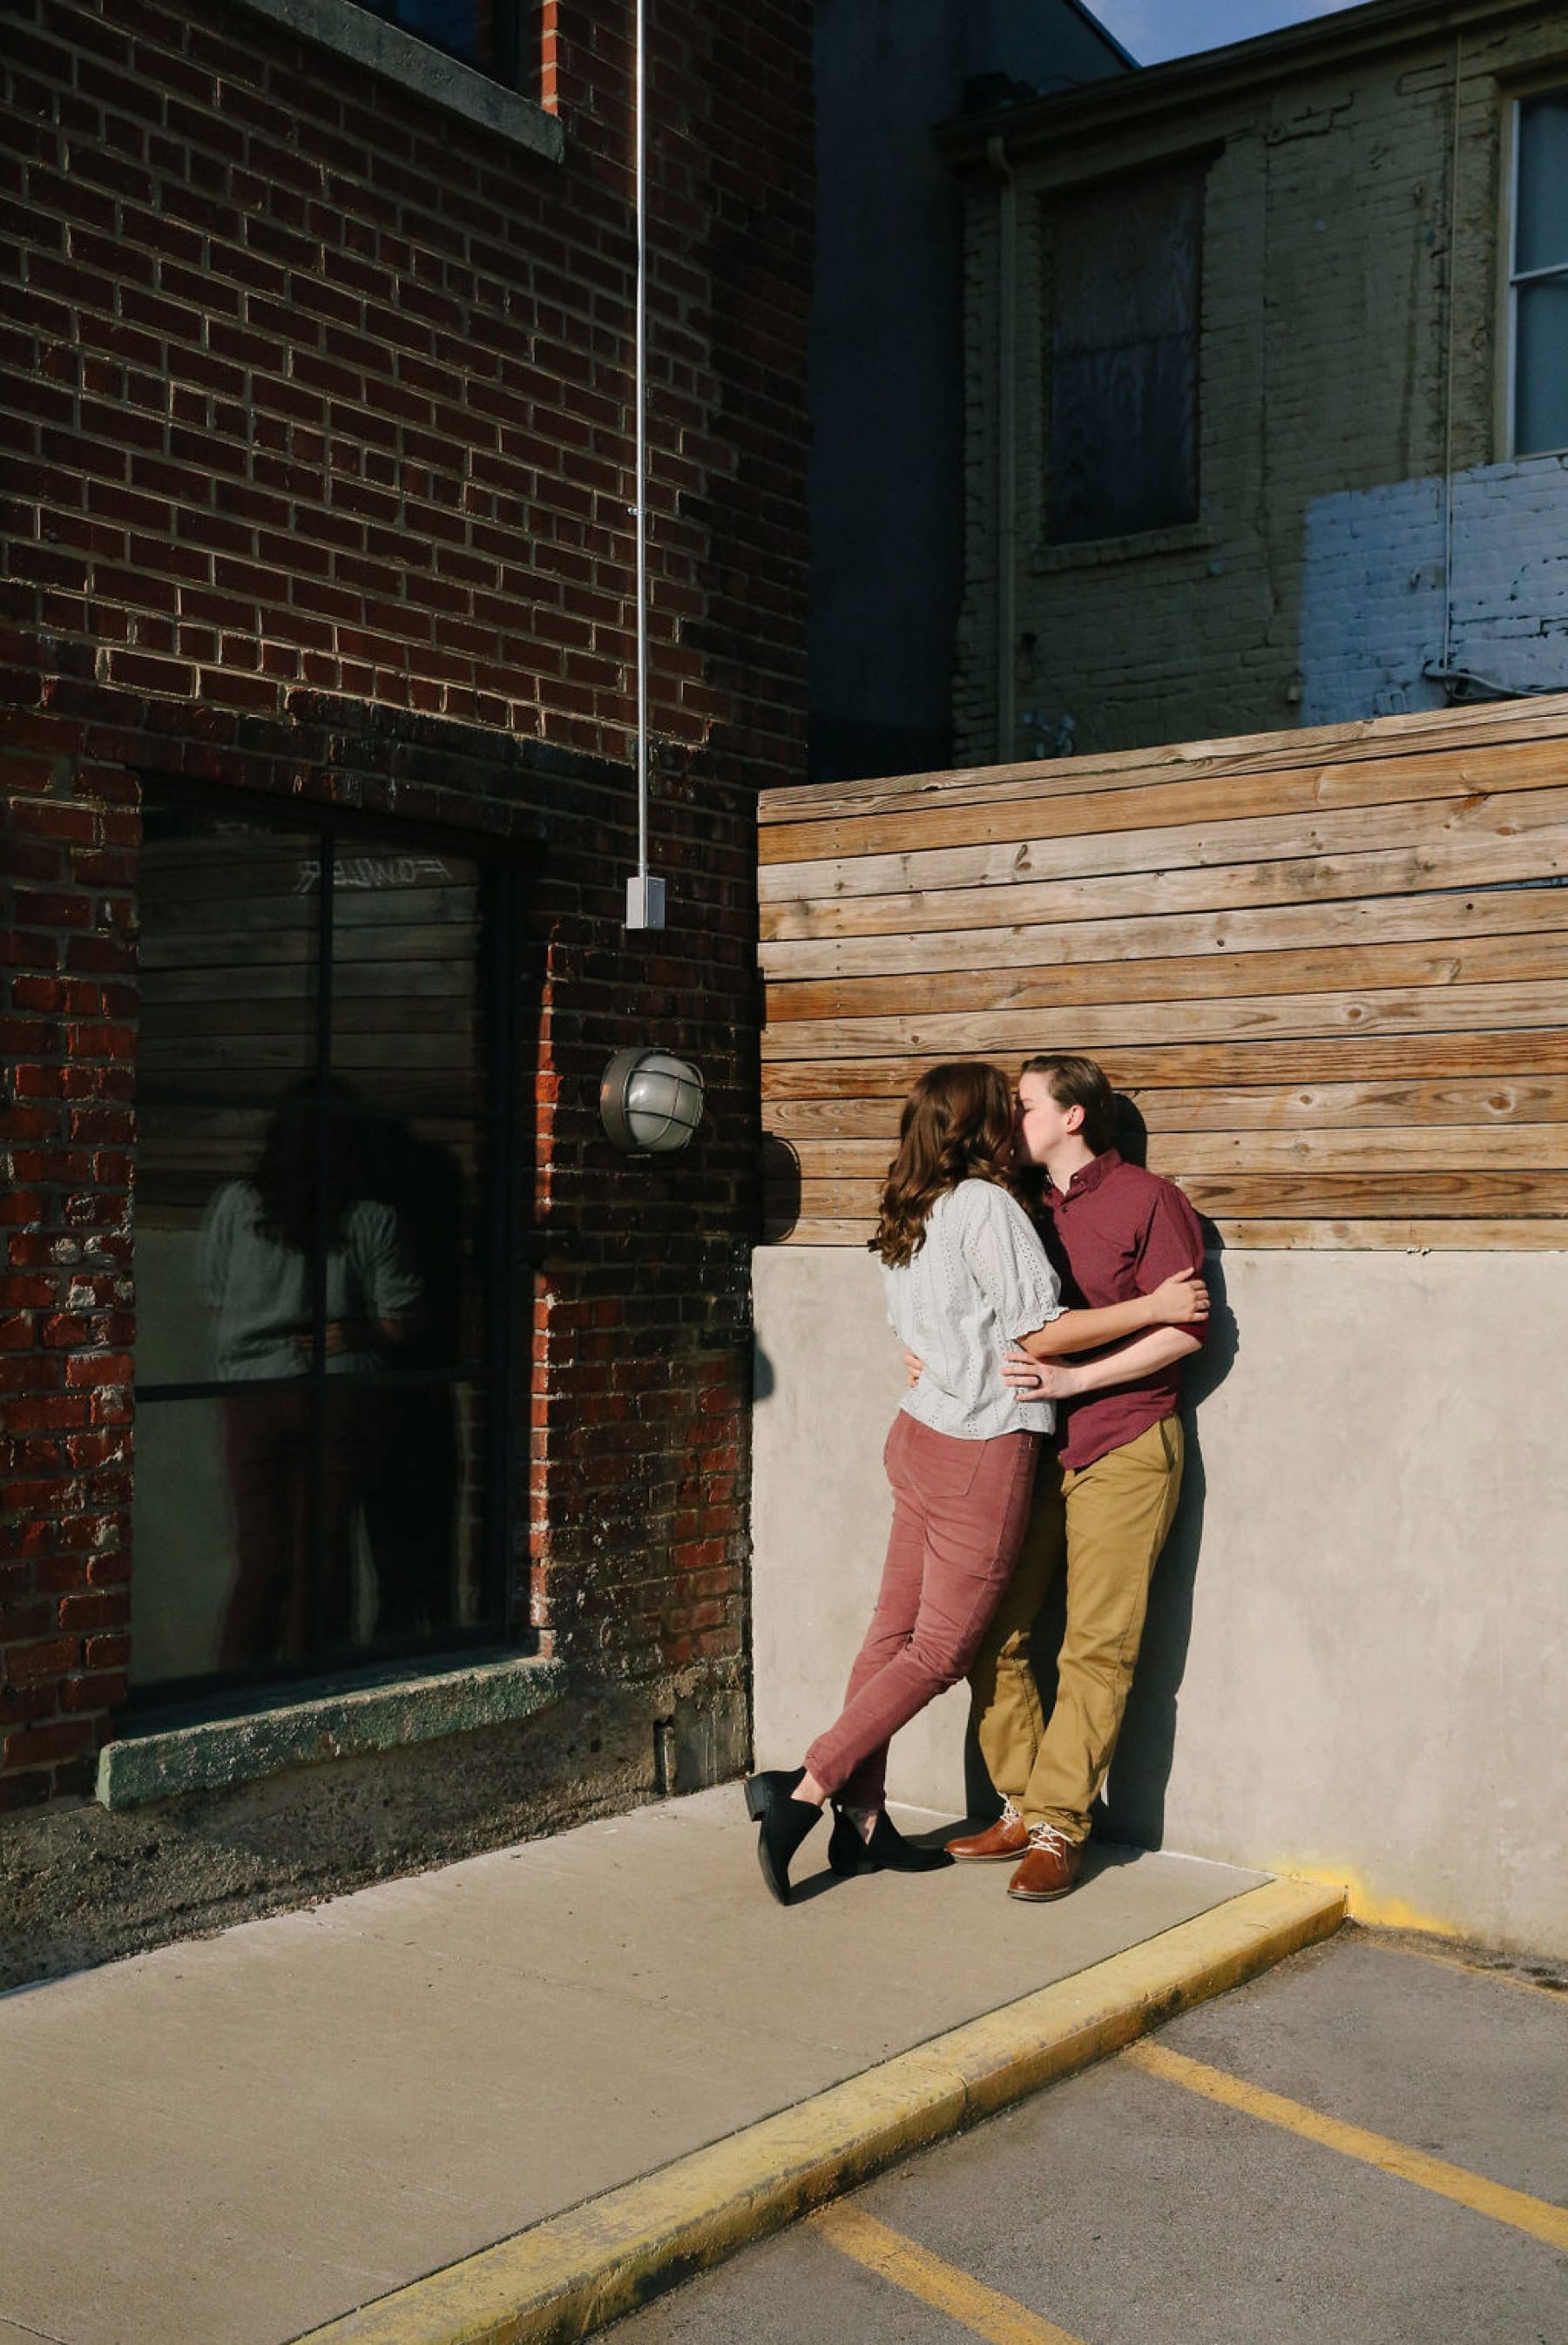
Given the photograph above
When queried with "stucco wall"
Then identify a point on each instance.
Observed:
(1353, 1669)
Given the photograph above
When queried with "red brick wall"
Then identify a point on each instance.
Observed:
(317, 407)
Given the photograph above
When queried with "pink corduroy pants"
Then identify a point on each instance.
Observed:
(960, 1510)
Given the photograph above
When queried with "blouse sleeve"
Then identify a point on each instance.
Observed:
(1008, 1263)
(215, 1244)
(393, 1285)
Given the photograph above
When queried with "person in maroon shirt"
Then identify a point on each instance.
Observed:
(1104, 1504)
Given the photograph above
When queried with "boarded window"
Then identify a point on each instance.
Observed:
(1540, 276)
(1123, 281)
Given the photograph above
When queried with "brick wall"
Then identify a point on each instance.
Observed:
(1351, 309)
(1377, 566)
(317, 400)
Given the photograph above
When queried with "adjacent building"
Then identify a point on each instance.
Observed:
(1268, 384)
(887, 351)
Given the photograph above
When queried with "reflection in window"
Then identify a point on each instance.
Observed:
(1123, 281)
(321, 1175)
(1539, 275)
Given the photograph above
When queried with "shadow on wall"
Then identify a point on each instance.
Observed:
(1134, 1803)
(1133, 1809)
(780, 1189)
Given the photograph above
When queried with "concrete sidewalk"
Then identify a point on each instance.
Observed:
(235, 2140)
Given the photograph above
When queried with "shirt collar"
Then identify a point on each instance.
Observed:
(1087, 1177)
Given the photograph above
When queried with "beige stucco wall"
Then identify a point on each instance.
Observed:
(1354, 1668)
(1339, 214)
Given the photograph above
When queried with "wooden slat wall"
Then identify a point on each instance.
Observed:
(1330, 968)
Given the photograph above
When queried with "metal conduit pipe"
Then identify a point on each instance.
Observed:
(1006, 442)
(645, 895)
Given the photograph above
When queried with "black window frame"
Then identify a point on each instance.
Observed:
(504, 865)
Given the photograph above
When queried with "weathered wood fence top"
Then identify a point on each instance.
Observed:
(1330, 968)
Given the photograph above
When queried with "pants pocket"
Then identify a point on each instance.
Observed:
(941, 1467)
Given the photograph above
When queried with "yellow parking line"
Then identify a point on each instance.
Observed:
(1537, 2216)
(919, 2273)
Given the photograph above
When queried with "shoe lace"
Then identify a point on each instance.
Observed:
(1010, 1814)
(1050, 1836)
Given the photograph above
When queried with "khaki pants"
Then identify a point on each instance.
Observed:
(1107, 1522)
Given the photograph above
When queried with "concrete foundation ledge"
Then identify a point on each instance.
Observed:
(577, 2271)
(328, 1722)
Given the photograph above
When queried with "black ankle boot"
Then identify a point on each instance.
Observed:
(784, 1823)
(847, 1852)
(889, 1851)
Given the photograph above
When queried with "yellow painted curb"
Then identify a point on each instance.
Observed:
(575, 2272)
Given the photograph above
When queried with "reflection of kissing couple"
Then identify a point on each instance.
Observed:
(996, 1315)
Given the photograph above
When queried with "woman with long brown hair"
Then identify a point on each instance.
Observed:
(965, 1277)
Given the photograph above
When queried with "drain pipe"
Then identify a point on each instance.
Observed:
(1006, 442)
(645, 895)
(1448, 361)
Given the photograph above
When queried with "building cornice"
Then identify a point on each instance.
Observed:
(1216, 76)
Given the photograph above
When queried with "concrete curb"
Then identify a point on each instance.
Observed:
(575, 2272)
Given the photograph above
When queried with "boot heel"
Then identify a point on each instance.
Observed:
(756, 1797)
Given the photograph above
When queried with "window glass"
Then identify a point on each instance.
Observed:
(1124, 266)
(1540, 360)
(321, 1130)
(1541, 234)
(1540, 277)
(465, 28)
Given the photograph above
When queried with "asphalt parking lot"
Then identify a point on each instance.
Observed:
(1368, 2144)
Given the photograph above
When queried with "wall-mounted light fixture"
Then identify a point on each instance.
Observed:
(650, 1103)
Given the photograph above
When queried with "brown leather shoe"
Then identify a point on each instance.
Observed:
(1050, 1866)
(1006, 1837)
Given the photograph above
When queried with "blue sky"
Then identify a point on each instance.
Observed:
(1156, 29)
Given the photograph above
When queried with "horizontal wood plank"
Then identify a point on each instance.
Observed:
(1009, 1033)
(1328, 1059)
(1478, 1236)
(1180, 846)
(1465, 1148)
(1544, 1235)
(1516, 910)
(1341, 968)
(1030, 814)
(1307, 1107)
(1291, 1196)
(1498, 858)
(1494, 727)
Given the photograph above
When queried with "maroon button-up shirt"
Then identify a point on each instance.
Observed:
(1116, 1232)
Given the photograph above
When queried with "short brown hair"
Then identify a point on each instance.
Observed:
(957, 1125)
(1079, 1083)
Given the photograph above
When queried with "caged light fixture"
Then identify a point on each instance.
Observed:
(650, 1103)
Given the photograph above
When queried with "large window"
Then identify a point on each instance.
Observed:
(1539, 275)
(321, 1249)
(1123, 285)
